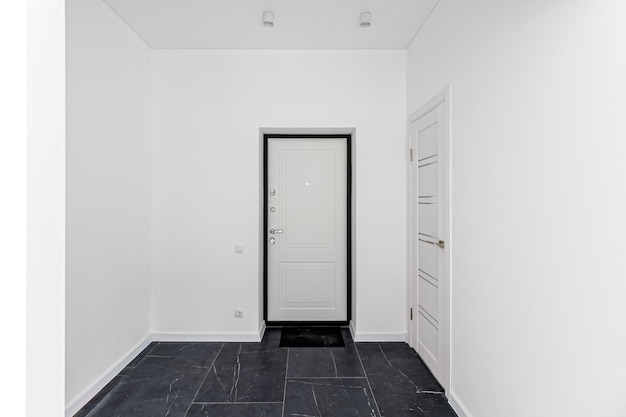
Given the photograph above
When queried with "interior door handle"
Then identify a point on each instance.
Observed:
(275, 231)
(441, 244)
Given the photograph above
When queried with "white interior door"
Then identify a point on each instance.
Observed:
(428, 275)
(307, 229)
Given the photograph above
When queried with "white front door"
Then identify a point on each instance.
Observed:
(307, 229)
(428, 276)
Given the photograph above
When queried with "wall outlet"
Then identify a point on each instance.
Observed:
(239, 313)
(238, 248)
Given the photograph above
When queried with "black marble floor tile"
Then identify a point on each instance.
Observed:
(142, 355)
(236, 410)
(244, 373)
(163, 383)
(397, 363)
(200, 354)
(137, 360)
(248, 380)
(422, 405)
(271, 340)
(401, 382)
(324, 362)
(329, 397)
(83, 412)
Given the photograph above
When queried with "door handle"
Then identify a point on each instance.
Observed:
(441, 244)
(275, 231)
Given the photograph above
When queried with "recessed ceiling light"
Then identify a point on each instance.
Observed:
(268, 19)
(365, 20)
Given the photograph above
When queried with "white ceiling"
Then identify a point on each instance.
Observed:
(299, 24)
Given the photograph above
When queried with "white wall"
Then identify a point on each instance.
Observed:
(538, 225)
(45, 332)
(108, 197)
(13, 219)
(208, 107)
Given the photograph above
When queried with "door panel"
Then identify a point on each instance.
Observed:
(428, 257)
(427, 230)
(307, 211)
(307, 284)
(428, 300)
(427, 179)
(307, 200)
(428, 342)
(427, 139)
(427, 221)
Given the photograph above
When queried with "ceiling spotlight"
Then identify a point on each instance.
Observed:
(366, 20)
(268, 19)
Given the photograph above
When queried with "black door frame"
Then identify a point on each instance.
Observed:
(348, 138)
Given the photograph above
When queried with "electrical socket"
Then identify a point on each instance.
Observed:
(239, 313)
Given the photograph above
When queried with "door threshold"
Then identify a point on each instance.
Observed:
(305, 323)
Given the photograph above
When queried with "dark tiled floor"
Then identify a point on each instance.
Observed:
(265, 380)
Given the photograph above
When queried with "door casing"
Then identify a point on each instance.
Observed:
(348, 138)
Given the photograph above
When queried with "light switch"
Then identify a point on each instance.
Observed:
(238, 248)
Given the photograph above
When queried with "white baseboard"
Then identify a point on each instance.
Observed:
(88, 393)
(378, 336)
(209, 336)
(458, 406)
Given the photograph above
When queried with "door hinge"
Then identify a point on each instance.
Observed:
(411, 313)
(411, 154)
